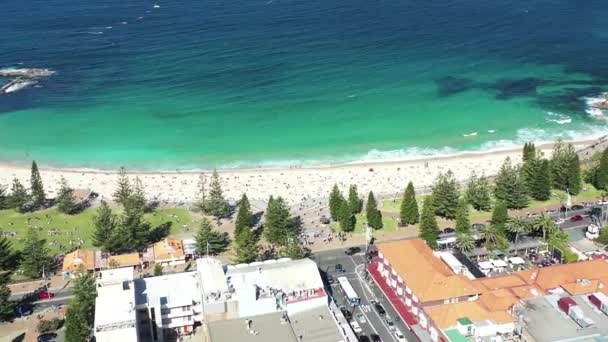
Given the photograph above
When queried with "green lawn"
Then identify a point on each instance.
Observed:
(72, 227)
(393, 205)
(390, 224)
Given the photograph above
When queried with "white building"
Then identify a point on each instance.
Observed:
(115, 316)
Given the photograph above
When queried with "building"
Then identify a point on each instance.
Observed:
(167, 252)
(435, 297)
(115, 314)
(79, 259)
(221, 297)
(445, 304)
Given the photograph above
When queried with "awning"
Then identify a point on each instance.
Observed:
(485, 265)
(498, 263)
(517, 261)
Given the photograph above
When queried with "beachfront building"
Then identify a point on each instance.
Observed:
(80, 259)
(291, 291)
(115, 313)
(441, 304)
(166, 252)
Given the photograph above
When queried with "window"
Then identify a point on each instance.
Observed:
(186, 308)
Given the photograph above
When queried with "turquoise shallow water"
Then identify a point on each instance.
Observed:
(246, 83)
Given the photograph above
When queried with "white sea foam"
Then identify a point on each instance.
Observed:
(470, 134)
(491, 131)
(19, 86)
(558, 118)
(593, 102)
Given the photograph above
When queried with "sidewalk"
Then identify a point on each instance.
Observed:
(53, 283)
(28, 325)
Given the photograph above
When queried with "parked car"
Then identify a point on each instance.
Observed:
(346, 313)
(577, 207)
(391, 325)
(45, 295)
(576, 218)
(560, 221)
(352, 250)
(375, 338)
(380, 309)
(399, 336)
(339, 268)
(360, 318)
(364, 338)
(325, 220)
(356, 328)
(46, 337)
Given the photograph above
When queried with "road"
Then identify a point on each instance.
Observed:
(355, 272)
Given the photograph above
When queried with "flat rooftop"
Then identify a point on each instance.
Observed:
(316, 325)
(546, 322)
(264, 328)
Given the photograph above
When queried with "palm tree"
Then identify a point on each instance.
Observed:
(490, 234)
(465, 242)
(558, 239)
(545, 224)
(517, 226)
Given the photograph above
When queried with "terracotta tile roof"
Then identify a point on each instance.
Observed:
(498, 300)
(555, 276)
(73, 261)
(581, 287)
(527, 291)
(123, 260)
(500, 282)
(445, 316)
(168, 249)
(428, 276)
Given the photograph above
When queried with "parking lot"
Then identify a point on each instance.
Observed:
(366, 315)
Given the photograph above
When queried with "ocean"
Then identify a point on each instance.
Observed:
(199, 83)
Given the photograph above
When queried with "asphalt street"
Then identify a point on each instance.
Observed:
(354, 267)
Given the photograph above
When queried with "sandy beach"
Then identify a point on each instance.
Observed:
(296, 184)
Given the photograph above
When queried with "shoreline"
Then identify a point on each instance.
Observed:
(307, 186)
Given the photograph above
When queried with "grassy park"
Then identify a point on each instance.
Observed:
(59, 228)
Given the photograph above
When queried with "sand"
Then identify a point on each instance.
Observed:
(306, 186)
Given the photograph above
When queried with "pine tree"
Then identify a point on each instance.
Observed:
(335, 201)
(19, 196)
(8, 257)
(541, 182)
(137, 199)
(279, 224)
(345, 217)
(574, 175)
(104, 223)
(478, 193)
(7, 307)
(132, 232)
(216, 204)
(463, 225)
(353, 200)
(244, 217)
(246, 247)
(65, 198)
(35, 255)
(510, 187)
(293, 250)
(4, 199)
(529, 166)
(373, 215)
(210, 239)
(123, 190)
(529, 152)
(445, 195)
(201, 203)
(429, 230)
(38, 196)
(500, 216)
(601, 177)
(80, 315)
(158, 270)
(409, 206)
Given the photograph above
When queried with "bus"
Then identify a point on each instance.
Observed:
(350, 293)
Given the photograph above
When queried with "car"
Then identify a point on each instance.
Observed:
(399, 336)
(391, 325)
(576, 218)
(346, 313)
(380, 309)
(356, 327)
(352, 250)
(360, 318)
(364, 338)
(325, 220)
(375, 338)
(560, 221)
(577, 207)
(339, 268)
(46, 337)
(45, 295)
